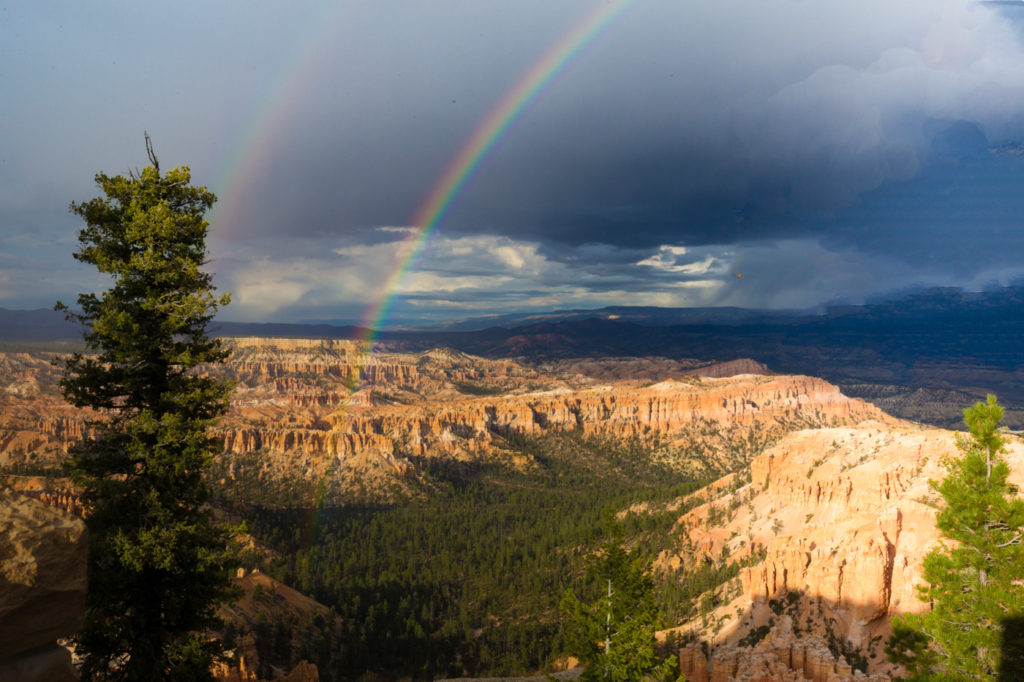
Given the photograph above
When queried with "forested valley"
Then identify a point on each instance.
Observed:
(466, 580)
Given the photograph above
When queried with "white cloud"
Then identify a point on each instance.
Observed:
(478, 273)
(401, 229)
(435, 283)
(362, 275)
(666, 260)
(269, 291)
(510, 256)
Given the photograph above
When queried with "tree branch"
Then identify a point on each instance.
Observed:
(1015, 540)
(150, 153)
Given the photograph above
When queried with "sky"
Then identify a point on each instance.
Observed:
(783, 154)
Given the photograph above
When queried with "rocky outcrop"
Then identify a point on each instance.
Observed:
(702, 426)
(845, 517)
(317, 362)
(36, 430)
(303, 672)
(620, 411)
(261, 598)
(65, 500)
(42, 589)
(284, 387)
(780, 657)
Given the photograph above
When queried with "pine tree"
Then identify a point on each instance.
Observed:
(613, 635)
(157, 559)
(974, 582)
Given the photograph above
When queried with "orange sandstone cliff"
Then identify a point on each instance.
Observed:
(322, 411)
(845, 516)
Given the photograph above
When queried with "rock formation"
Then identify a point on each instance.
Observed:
(780, 657)
(323, 410)
(845, 517)
(42, 589)
(303, 672)
(837, 513)
(36, 425)
(262, 599)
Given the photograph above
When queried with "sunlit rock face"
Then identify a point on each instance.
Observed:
(378, 433)
(43, 555)
(304, 671)
(324, 410)
(845, 515)
(780, 657)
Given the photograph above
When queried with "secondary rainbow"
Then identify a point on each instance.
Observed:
(483, 139)
(253, 149)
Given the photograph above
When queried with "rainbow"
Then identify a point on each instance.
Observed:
(483, 139)
(253, 147)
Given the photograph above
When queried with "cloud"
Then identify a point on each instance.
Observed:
(822, 149)
(470, 273)
(682, 125)
(667, 260)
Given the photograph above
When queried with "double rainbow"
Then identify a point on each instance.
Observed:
(251, 153)
(488, 132)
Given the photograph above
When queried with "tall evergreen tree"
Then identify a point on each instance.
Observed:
(613, 635)
(157, 559)
(973, 585)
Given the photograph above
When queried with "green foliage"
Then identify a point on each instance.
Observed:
(157, 560)
(973, 585)
(753, 637)
(465, 580)
(843, 649)
(613, 633)
(678, 593)
(475, 388)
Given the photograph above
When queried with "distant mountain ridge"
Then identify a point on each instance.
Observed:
(644, 315)
(47, 325)
(42, 325)
(922, 357)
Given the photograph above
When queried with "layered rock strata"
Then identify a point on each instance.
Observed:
(620, 411)
(304, 671)
(309, 409)
(702, 426)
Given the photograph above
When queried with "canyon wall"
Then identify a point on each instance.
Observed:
(462, 408)
(844, 517)
(323, 410)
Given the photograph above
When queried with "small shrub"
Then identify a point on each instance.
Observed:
(753, 637)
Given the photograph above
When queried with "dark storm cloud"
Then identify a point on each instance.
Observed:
(823, 150)
(963, 209)
(658, 134)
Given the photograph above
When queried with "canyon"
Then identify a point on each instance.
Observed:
(824, 499)
(921, 356)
